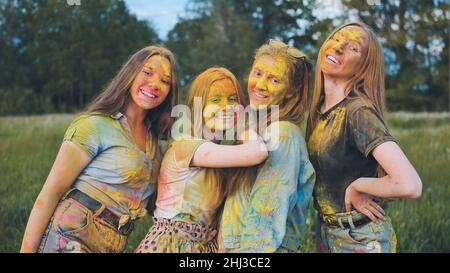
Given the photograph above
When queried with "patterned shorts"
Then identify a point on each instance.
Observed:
(368, 238)
(172, 236)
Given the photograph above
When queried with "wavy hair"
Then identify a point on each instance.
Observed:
(116, 96)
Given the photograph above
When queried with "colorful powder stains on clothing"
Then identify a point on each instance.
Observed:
(340, 146)
(272, 217)
(120, 175)
(185, 190)
(187, 203)
(333, 123)
(74, 229)
(368, 238)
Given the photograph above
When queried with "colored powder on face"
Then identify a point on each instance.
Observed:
(275, 72)
(352, 34)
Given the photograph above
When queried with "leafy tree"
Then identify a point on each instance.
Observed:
(64, 54)
(415, 39)
(212, 36)
(227, 33)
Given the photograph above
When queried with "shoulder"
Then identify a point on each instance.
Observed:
(93, 118)
(284, 133)
(96, 120)
(286, 128)
(356, 105)
(363, 112)
(185, 144)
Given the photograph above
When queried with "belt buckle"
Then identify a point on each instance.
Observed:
(327, 219)
(127, 228)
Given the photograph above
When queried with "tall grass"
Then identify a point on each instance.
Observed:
(28, 146)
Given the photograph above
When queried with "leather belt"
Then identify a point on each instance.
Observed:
(347, 220)
(107, 215)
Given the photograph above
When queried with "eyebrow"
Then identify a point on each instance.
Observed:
(358, 41)
(275, 75)
(270, 74)
(152, 68)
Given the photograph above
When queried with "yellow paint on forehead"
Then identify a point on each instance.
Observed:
(158, 62)
(353, 33)
(274, 65)
(223, 87)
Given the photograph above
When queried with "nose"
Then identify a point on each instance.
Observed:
(223, 104)
(229, 107)
(261, 84)
(339, 47)
(154, 85)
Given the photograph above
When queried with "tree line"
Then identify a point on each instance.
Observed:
(56, 58)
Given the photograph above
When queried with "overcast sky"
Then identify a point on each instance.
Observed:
(164, 13)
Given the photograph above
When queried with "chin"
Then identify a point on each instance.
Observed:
(255, 104)
(147, 107)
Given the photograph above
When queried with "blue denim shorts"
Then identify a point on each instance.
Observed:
(75, 229)
(368, 238)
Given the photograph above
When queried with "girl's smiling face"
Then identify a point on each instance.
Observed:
(343, 54)
(268, 81)
(219, 114)
(152, 85)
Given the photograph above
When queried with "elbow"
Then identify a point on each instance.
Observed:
(413, 189)
(258, 157)
(263, 154)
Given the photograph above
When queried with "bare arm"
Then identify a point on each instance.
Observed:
(401, 181)
(251, 152)
(69, 162)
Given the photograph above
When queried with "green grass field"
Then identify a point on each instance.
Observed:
(28, 146)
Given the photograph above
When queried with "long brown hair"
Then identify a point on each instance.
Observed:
(293, 107)
(116, 96)
(367, 83)
(200, 88)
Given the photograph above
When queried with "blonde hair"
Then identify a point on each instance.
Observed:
(367, 83)
(200, 88)
(116, 96)
(293, 107)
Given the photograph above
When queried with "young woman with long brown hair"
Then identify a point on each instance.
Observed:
(355, 157)
(192, 186)
(101, 179)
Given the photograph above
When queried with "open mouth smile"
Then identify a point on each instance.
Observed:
(333, 59)
(148, 93)
(258, 95)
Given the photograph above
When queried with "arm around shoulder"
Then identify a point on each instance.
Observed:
(213, 155)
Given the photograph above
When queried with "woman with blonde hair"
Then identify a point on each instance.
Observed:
(108, 162)
(191, 186)
(356, 159)
(267, 211)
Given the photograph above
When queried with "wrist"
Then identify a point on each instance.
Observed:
(356, 185)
